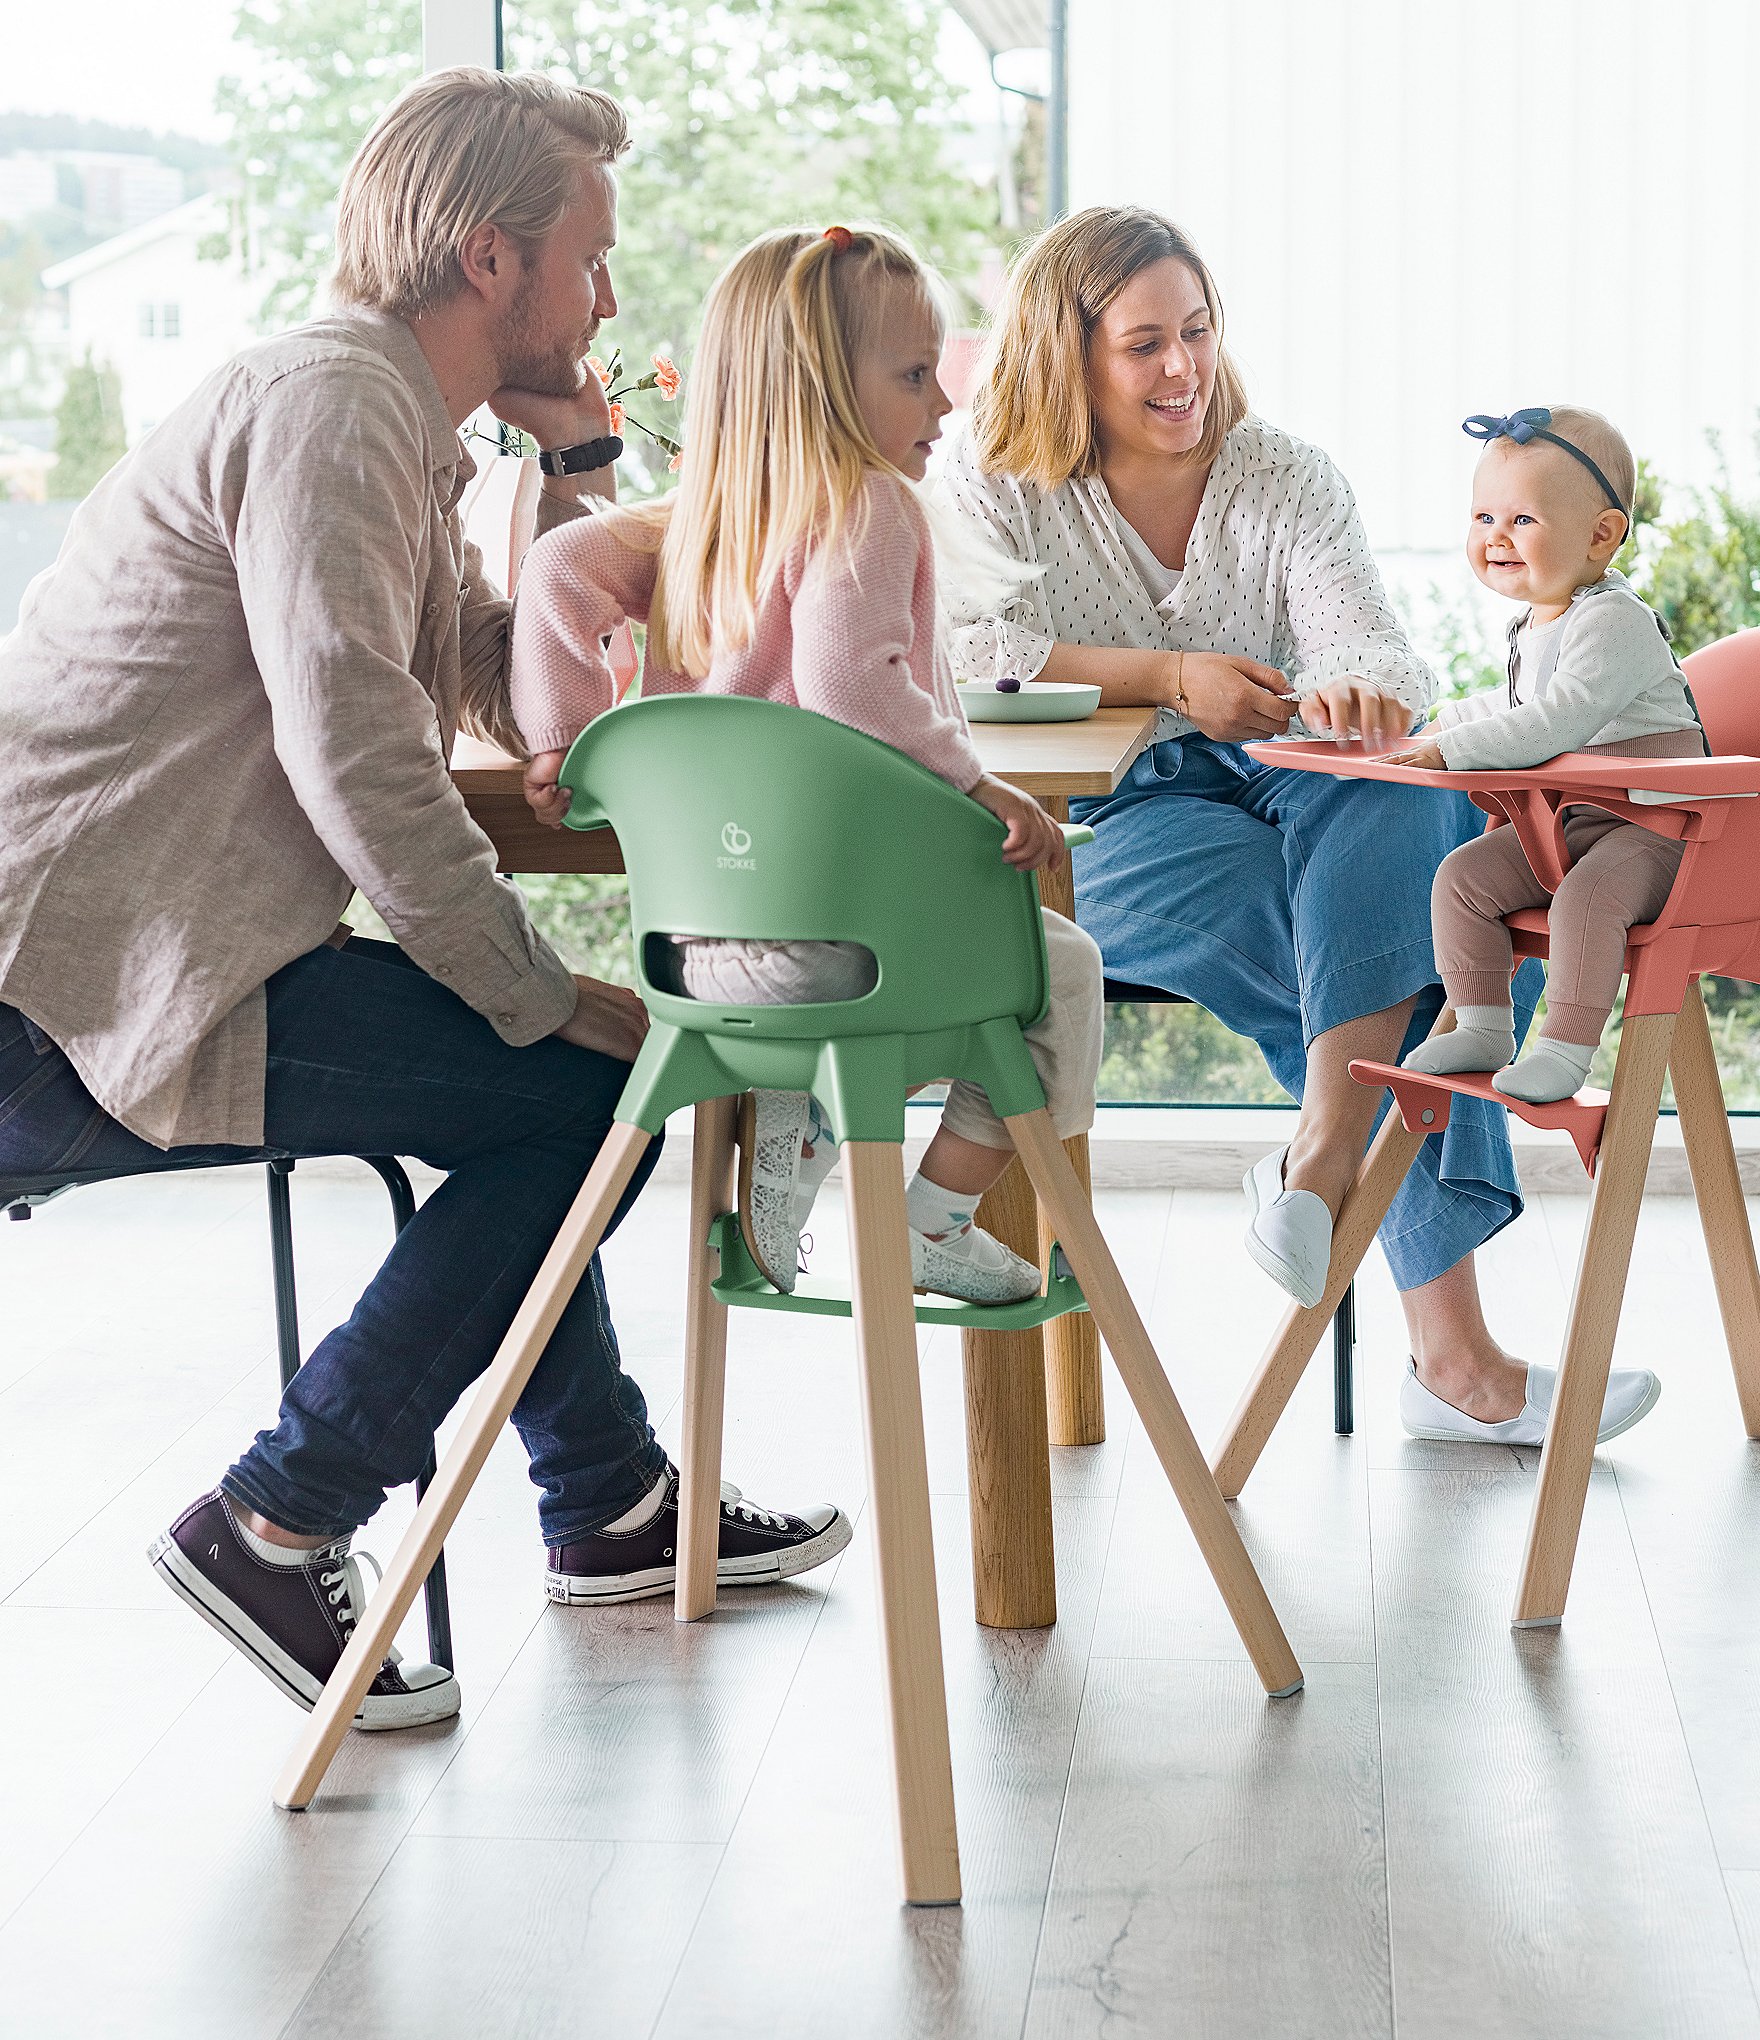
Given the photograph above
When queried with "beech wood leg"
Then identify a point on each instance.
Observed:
(898, 1496)
(1600, 1289)
(705, 1366)
(534, 1321)
(1075, 1397)
(1008, 1459)
(1157, 1406)
(1723, 1210)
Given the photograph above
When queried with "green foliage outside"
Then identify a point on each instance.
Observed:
(89, 436)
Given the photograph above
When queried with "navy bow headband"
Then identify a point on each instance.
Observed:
(1521, 426)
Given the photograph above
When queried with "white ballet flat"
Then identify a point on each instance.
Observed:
(1631, 1395)
(1290, 1236)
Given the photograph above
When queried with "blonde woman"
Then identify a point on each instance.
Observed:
(1191, 556)
(795, 564)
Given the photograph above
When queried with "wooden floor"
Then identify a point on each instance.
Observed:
(639, 1829)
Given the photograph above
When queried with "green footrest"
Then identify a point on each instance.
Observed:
(741, 1286)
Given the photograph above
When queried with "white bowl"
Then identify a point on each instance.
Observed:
(1037, 701)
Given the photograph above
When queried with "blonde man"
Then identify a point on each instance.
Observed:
(229, 705)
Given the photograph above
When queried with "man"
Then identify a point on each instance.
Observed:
(228, 706)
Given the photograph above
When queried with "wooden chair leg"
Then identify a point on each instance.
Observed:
(1157, 1406)
(705, 1366)
(534, 1321)
(1294, 1343)
(898, 1500)
(1595, 1306)
(1723, 1210)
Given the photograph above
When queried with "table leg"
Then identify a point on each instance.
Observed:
(1072, 1344)
(1008, 1460)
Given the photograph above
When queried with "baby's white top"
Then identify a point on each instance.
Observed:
(1602, 673)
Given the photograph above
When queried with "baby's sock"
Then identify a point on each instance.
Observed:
(1550, 1070)
(1484, 1038)
(935, 1212)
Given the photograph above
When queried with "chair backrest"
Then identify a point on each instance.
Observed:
(756, 820)
(1725, 679)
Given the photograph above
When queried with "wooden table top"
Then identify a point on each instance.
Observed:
(1048, 759)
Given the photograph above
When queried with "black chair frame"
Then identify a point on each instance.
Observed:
(20, 1194)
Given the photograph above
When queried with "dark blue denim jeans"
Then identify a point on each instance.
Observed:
(369, 1055)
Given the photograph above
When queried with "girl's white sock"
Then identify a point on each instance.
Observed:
(934, 1211)
(1550, 1070)
(1484, 1038)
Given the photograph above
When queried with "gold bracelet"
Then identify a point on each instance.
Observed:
(1179, 687)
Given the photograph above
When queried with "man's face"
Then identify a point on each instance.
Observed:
(564, 294)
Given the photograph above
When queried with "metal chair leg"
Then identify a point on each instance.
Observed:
(1344, 1340)
(281, 1260)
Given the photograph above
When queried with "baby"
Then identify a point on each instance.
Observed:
(1589, 669)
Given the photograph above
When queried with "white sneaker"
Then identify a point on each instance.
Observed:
(1631, 1395)
(971, 1266)
(772, 1126)
(1290, 1236)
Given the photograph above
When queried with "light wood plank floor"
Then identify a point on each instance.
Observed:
(637, 1829)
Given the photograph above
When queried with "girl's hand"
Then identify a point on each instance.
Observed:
(1034, 841)
(548, 801)
(1420, 757)
(1354, 703)
(1233, 700)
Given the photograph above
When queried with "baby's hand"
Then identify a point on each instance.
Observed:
(1034, 841)
(546, 799)
(1420, 757)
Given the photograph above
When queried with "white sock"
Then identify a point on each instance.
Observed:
(289, 1555)
(934, 1211)
(645, 1510)
(1484, 1038)
(1551, 1070)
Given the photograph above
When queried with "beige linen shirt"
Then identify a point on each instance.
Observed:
(229, 704)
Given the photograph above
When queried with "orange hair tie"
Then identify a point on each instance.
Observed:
(839, 237)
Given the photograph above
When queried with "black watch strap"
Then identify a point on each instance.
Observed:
(582, 459)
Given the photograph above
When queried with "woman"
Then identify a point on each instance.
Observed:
(1190, 556)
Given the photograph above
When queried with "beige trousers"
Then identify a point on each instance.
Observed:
(1065, 1044)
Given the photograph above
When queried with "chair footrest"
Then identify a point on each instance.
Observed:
(1423, 1103)
(742, 1286)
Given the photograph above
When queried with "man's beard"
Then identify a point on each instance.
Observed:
(530, 358)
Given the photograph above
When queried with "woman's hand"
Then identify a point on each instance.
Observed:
(1231, 699)
(548, 801)
(1420, 757)
(1354, 703)
(608, 1018)
(1034, 841)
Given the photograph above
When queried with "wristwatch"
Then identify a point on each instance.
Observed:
(582, 459)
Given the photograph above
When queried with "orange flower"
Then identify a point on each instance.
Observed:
(599, 369)
(666, 376)
(617, 417)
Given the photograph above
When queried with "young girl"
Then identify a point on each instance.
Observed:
(794, 563)
(1589, 669)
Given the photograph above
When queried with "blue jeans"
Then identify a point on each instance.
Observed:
(1288, 903)
(370, 1055)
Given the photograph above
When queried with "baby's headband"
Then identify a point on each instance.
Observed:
(1521, 426)
(840, 238)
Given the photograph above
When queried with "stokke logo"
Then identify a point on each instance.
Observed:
(736, 842)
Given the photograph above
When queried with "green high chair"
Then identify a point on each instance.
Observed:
(741, 818)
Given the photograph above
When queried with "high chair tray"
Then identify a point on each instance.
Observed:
(740, 1285)
(1644, 779)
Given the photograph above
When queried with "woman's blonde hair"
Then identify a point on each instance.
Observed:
(776, 447)
(1032, 415)
(463, 149)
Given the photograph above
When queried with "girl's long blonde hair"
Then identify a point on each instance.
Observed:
(776, 448)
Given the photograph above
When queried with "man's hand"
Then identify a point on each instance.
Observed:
(1354, 705)
(1034, 841)
(548, 801)
(608, 1018)
(1232, 700)
(557, 421)
(1420, 757)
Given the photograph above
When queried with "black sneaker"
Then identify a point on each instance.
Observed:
(292, 1622)
(757, 1546)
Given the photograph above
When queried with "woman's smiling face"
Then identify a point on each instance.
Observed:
(1152, 364)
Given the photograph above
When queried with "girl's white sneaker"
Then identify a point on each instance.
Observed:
(972, 1266)
(1290, 1236)
(772, 1126)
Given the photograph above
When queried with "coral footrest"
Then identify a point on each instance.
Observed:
(1424, 1104)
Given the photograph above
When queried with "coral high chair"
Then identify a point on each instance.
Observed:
(742, 818)
(1710, 924)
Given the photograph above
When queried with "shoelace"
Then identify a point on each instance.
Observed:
(731, 1498)
(349, 1597)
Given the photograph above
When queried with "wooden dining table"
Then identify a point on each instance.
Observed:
(1025, 1391)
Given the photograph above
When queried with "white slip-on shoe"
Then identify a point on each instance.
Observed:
(770, 1130)
(1290, 1236)
(1632, 1394)
(972, 1266)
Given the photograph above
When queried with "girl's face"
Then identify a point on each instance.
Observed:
(1537, 533)
(1152, 364)
(901, 399)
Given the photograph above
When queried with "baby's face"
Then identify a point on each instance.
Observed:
(1536, 533)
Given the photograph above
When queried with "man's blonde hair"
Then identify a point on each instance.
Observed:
(1032, 416)
(775, 445)
(463, 149)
